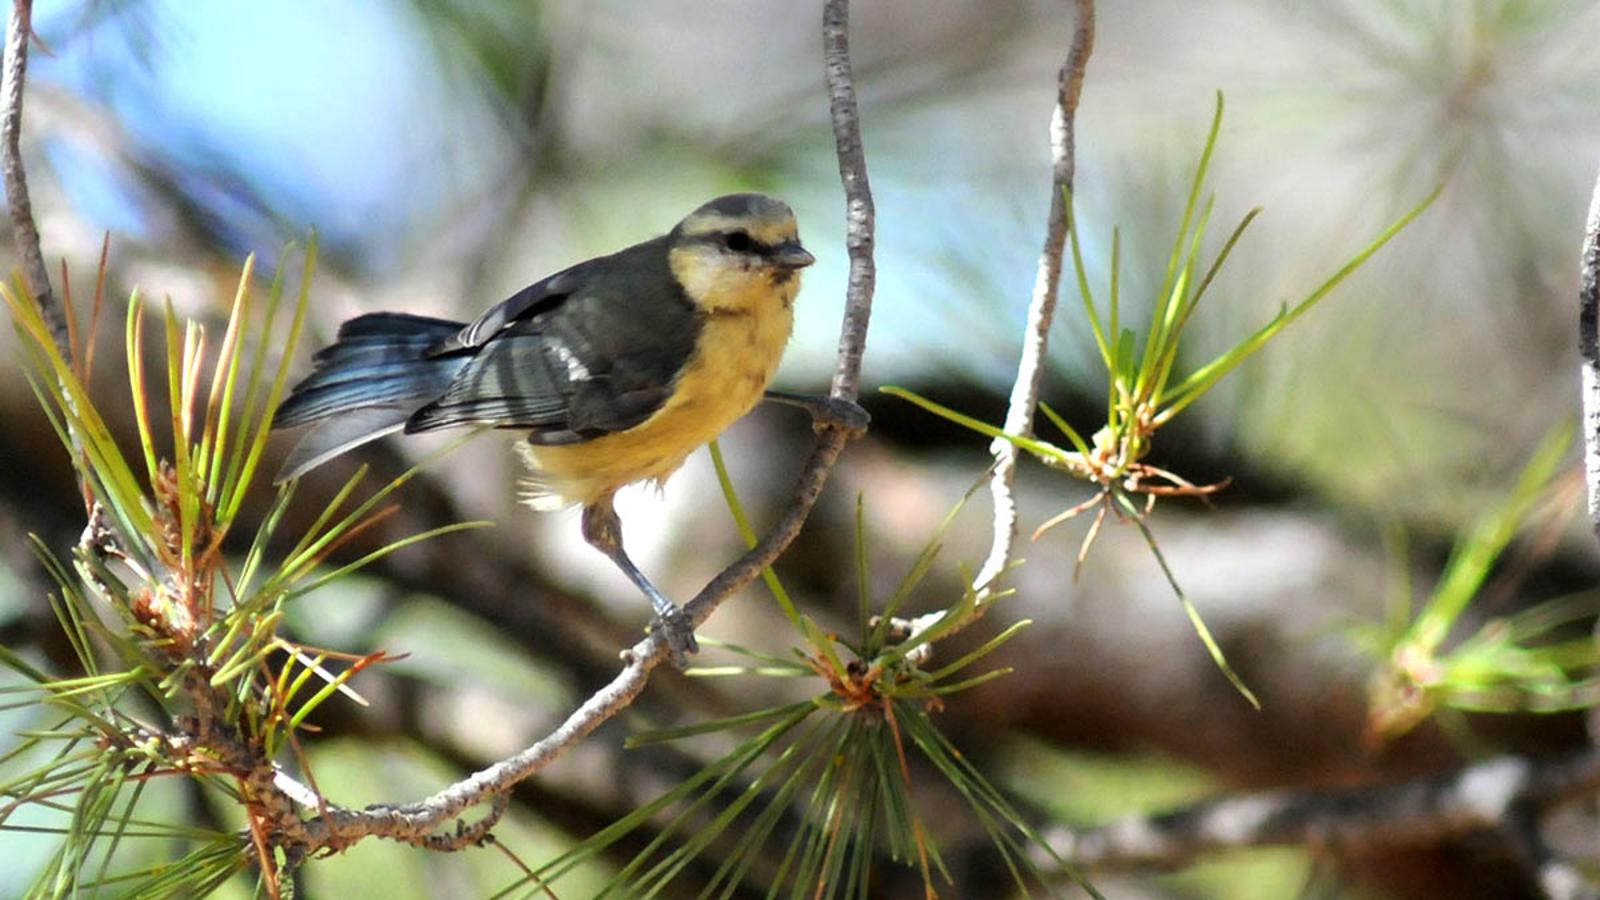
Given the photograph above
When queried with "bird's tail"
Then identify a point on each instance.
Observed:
(366, 385)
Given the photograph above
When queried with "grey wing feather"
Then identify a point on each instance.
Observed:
(589, 351)
(541, 297)
(515, 380)
(333, 436)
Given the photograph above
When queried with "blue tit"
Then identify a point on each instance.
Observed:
(618, 367)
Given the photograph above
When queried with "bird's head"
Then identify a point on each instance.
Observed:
(733, 248)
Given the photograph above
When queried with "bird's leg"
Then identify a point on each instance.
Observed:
(603, 530)
(835, 412)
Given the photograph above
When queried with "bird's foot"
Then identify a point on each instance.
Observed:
(678, 629)
(846, 415)
(828, 411)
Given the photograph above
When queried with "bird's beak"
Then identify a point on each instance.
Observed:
(791, 255)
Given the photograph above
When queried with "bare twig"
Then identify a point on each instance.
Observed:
(860, 215)
(1041, 308)
(1485, 796)
(339, 828)
(23, 231)
(469, 835)
(1589, 350)
(1556, 878)
(416, 822)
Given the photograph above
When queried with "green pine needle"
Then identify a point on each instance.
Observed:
(833, 767)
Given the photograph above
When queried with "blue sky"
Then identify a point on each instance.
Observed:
(318, 106)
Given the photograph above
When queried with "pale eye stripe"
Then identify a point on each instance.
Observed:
(770, 232)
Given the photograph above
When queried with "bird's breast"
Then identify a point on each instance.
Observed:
(741, 341)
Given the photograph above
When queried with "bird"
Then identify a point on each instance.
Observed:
(617, 367)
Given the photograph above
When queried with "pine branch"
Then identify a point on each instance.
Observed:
(1589, 350)
(19, 32)
(1042, 307)
(860, 213)
(1036, 333)
(1508, 794)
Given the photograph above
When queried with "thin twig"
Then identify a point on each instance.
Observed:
(13, 80)
(1042, 307)
(19, 32)
(860, 214)
(1557, 879)
(1480, 797)
(1589, 350)
(23, 231)
(1041, 310)
(339, 828)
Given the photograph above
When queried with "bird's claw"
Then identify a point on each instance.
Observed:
(845, 415)
(827, 411)
(678, 630)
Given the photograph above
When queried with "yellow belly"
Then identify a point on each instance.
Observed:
(738, 351)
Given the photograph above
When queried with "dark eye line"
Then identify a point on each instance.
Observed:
(739, 241)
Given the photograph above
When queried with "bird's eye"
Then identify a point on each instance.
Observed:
(738, 242)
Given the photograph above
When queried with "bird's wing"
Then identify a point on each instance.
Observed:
(589, 351)
(536, 299)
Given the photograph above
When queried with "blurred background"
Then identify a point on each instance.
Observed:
(449, 152)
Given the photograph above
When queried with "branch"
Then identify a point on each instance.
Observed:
(418, 822)
(1036, 336)
(1041, 309)
(1589, 350)
(860, 215)
(23, 230)
(1489, 795)
(19, 31)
